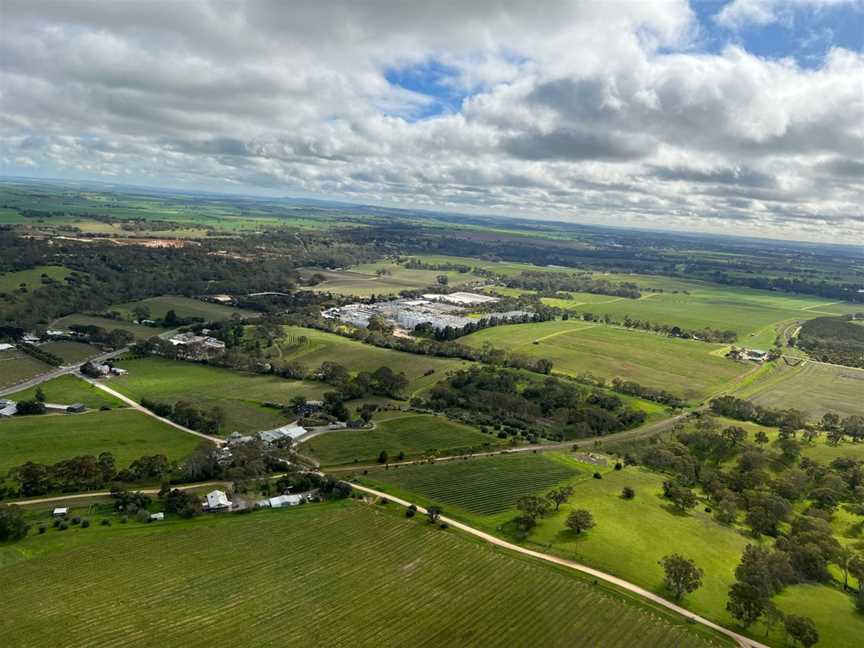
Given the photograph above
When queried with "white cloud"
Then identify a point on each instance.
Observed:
(740, 13)
(593, 111)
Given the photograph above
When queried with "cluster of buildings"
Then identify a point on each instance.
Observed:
(10, 407)
(756, 355)
(197, 346)
(292, 432)
(437, 311)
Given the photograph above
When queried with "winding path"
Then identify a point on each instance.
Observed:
(740, 639)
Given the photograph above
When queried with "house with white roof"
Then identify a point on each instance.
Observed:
(217, 500)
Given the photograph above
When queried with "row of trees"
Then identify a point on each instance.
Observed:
(189, 415)
(706, 334)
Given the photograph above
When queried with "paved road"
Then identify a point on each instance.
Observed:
(93, 495)
(596, 573)
(56, 373)
(137, 406)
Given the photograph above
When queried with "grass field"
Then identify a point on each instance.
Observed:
(811, 387)
(140, 332)
(31, 279)
(362, 281)
(183, 307)
(71, 352)
(683, 367)
(356, 356)
(412, 434)
(67, 390)
(480, 486)
(16, 367)
(240, 395)
(337, 575)
(126, 433)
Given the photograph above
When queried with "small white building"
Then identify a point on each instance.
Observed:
(217, 501)
(154, 517)
(292, 432)
(29, 338)
(60, 511)
(285, 500)
(5, 346)
(8, 407)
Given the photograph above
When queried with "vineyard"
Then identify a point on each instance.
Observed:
(319, 575)
(483, 486)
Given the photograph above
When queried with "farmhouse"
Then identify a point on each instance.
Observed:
(8, 407)
(217, 501)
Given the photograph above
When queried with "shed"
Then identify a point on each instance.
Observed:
(157, 516)
(285, 500)
(76, 408)
(60, 511)
(217, 500)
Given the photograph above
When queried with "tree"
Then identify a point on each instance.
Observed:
(771, 616)
(383, 457)
(141, 312)
(580, 520)
(29, 407)
(802, 630)
(559, 495)
(40, 394)
(682, 497)
(442, 280)
(433, 513)
(765, 511)
(746, 603)
(682, 575)
(12, 524)
(726, 510)
(531, 508)
(170, 320)
(628, 492)
(761, 438)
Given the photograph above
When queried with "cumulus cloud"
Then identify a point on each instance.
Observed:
(740, 13)
(600, 112)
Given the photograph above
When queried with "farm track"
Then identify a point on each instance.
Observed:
(741, 640)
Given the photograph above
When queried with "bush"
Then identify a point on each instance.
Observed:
(707, 509)
(597, 475)
(143, 515)
(410, 513)
(618, 465)
(105, 522)
(42, 529)
(383, 501)
(85, 523)
(63, 526)
(124, 519)
(76, 519)
(628, 493)
(444, 526)
(56, 522)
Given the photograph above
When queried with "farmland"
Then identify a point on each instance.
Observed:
(69, 389)
(183, 306)
(811, 387)
(362, 280)
(31, 279)
(325, 568)
(480, 486)
(140, 332)
(685, 368)
(356, 356)
(241, 396)
(410, 434)
(70, 352)
(16, 367)
(126, 433)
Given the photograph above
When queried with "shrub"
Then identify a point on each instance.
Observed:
(124, 519)
(143, 515)
(42, 529)
(383, 501)
(76, 519)
(444, 525)
(56, 522)
(105, 522)
(85, 523)
(628, 493)
(63, 526)
(410, 513)
(618, 465)
(597, 475)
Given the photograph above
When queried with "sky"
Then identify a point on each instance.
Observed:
(732, 116)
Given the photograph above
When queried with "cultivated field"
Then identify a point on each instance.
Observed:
(684, 367)
(241, 396)
(481, 486)
(356, 356)
(126, 433)
(31, 279)
(68, 389)
(71, 352)
(140, 332)
(318, 575)
(414, 435)
(811, 387)
(183, 307)
(16, 367)
(362, 280)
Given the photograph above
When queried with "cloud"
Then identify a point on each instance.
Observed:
(741, 13)
(600, 112)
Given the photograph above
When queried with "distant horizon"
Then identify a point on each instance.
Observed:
(236, 194)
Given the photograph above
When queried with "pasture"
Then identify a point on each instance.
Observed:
(240, 395)
(16, 367)
(140, 332)
(422, 371)
(68, 389)
(315, 575)
(414, 435)
(362, 280)
(31, 279)
(811, 387)
(126, 433)
(480, 486)
(684, 367)
(71, 352)
(183, 307)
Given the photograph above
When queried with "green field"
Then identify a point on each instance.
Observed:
(126, 433)
(811, 387)
(140, 332)
(240, 395)
(31, 279)
(67, 390)
(356, 356)
(16, 367)
(71, 352)
(335, 575)
(414, 435)
(684, 367)
(183, 307)
(480, 486)
(362, 281)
